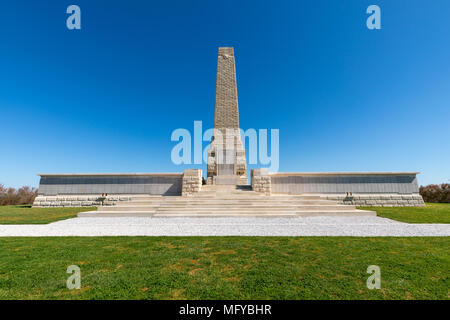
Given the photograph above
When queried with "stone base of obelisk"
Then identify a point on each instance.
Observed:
(229, 180)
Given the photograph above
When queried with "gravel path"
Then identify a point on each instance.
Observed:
(298, 226)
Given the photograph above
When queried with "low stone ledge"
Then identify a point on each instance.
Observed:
(378, 200)
(77, 201)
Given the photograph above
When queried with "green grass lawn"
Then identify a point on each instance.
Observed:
(432, 213)
(27, 215)
(224, 267)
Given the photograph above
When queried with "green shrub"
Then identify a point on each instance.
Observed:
(436, 193)
(12, 196)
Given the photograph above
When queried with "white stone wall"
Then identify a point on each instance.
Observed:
(343, 182)
(192, 181)
(119, 183)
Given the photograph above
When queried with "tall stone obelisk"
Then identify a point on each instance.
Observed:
(226, 156)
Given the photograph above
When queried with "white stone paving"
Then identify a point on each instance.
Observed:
(298, 226)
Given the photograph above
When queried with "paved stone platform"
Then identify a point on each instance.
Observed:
(296, 226)
(226, 201)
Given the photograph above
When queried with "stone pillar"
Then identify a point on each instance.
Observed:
(192, 181)
(261, 181)
(226, 155)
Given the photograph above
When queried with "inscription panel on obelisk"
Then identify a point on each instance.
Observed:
(226, 156)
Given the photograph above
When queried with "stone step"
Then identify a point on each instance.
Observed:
(237, 194)
(139, 196)
(243, 194)
(268, 214)
(224, 200)
(227, 202)
(259, 209)
(226, 205)
(127, 208)
(244, 197)
(225, 194)
(210, 214)
(256, 198)
(256, 209)
(117, 214)
(274, 214)
(226, 190)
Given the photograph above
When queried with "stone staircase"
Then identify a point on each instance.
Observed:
(226, 201)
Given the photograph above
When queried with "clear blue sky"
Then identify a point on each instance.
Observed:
(106, 98)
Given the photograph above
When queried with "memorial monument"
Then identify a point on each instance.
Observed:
(227, 192)
(226, 157)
